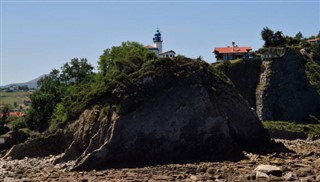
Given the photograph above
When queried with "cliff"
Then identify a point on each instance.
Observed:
(284, 92)
(245, 76)
(167, 112)
(277, 87)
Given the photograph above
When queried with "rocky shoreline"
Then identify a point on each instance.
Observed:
(301, 165)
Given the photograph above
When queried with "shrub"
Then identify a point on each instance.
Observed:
(313, 73)
(18, 124)
(58, 116)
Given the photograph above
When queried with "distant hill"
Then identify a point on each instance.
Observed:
(30, 84)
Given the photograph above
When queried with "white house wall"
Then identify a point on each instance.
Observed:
(169, 54)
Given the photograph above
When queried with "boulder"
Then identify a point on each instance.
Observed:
(266, 170)
(41, 146)
(290, 176)
(183, 113)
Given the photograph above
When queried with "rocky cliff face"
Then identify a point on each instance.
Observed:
(186, 113)
(245, 76)
(171, 111)
(277, 88)
(284, 92)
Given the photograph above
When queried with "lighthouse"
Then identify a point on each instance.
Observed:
(157, 47)
(157, 41)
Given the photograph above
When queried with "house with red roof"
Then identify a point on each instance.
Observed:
(314, 41)
(231, 52)
(157, 47)
(16, 114)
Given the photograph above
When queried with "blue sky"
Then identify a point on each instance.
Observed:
(39, 35)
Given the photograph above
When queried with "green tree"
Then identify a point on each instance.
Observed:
(298, 36)
(76, 71)
(15, 105)
(54, 87)
(315, 49)
(313, 74)
(267, 35)
(4, 114)
(44, 100)
(278, 39)
(124, 52)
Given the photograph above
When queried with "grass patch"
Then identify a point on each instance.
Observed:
(236, 61)
(309, 129)
(14, 97)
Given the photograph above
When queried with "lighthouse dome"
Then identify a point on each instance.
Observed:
(157, 33)
(157, 36)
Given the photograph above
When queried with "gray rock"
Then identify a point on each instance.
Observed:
(305, 171)
(260, 174)
(317, 163)
(290, 176)
(193, 178)
(284, 92)
(269, 170)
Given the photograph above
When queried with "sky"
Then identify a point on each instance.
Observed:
(40, 35)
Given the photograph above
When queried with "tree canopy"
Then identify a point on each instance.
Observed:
(76, 71)
(271, 38)
(64, 93)
(115, 56)
(52, 89)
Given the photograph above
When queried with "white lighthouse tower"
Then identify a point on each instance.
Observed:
(157, 40)
(157, 47)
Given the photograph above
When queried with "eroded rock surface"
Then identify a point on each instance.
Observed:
(284, 92)
(185, 117)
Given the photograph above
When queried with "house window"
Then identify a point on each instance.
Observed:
(225, 57)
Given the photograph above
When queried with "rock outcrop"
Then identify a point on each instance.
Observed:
(42, 146)
(277, 88)
(180, 112)
(284, 92)
(167, 112)
(245, 76)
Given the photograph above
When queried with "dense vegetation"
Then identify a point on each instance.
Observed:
(278, 39)
(313, 73)
(64, 94)
(308, 129)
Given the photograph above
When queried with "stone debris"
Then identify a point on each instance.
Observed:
(266, 170)
(300, 166)
(290, 176)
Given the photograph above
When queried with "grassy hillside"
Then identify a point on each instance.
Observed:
(14, 97)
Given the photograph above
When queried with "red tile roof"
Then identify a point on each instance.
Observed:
(167, 52)
(232, 50)
(18, 114)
